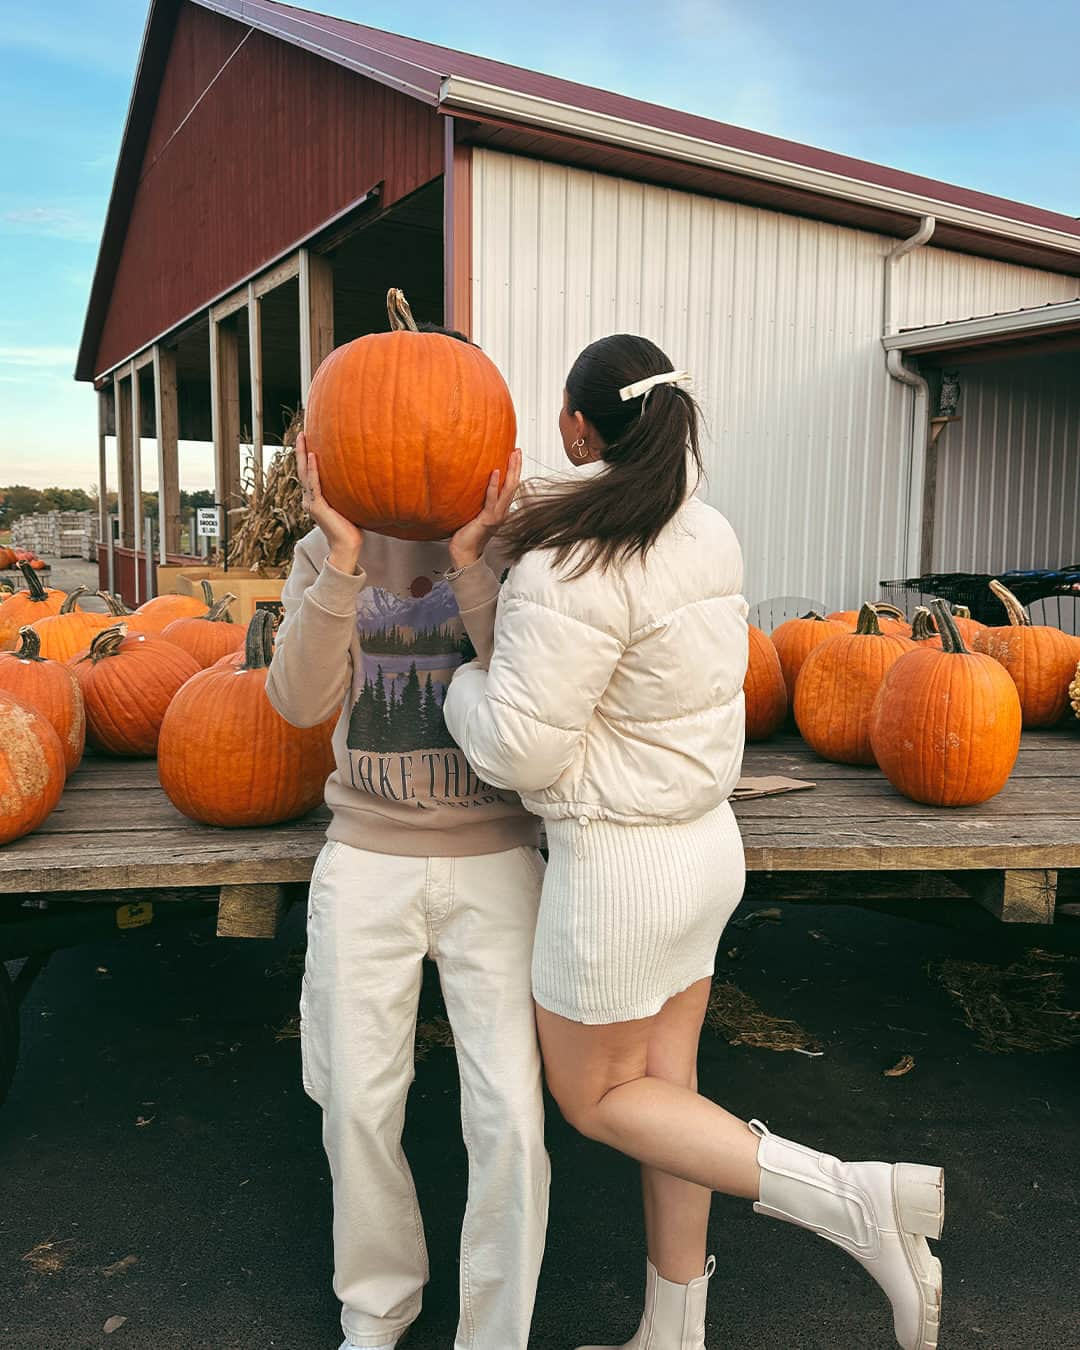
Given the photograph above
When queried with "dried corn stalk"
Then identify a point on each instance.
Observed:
(265, 530)
(1074, 691)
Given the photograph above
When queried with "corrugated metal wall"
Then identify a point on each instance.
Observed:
(779, 319)
(936, 286)
(1009, 470)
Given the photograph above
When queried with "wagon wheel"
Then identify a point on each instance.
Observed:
(9, 1032)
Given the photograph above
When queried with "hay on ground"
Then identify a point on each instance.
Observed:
(740, 1019)
(1015, 1007)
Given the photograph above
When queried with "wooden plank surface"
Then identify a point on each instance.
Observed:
(114, 828)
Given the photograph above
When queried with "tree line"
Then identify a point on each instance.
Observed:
(411, 721)
(19, 500)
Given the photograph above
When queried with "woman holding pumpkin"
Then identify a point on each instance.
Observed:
(612, 702)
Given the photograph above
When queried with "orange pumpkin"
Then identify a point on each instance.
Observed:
(51, 688)
(890, 619)
(407, 428)
(69, 631)
(227, 757)
(836, 688)
(763, 688)
(210, 637)
(24, 607)
(7, 558)
(128, 682)
(31, 767)
(162, 610)
(1040, 659)
(795, 639)
(945, 727)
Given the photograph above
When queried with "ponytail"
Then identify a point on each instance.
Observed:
(651, 442)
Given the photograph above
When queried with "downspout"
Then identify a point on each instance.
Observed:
(920, 428)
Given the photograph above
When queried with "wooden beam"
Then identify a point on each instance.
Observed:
(103, 465)
(457, 233)
(167, 430)
(316, 315)
(929, 507)
(1018, 896)
(277, 275)
(251, 911)
(136, 479)
(254, 313)
(225, 415)
(143, 359)
(124, 467)
(230, 305)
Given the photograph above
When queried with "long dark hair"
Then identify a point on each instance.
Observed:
(650, 442)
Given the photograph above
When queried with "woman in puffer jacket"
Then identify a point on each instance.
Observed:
(614, 705)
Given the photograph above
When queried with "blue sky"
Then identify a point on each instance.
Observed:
(977, 92)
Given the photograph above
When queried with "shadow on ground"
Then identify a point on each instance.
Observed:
(160, 1163)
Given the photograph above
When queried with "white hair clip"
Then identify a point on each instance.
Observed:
(629, 391)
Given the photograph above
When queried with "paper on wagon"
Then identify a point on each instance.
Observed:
(746, 789)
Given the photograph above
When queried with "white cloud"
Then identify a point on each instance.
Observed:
(59, 222)
(37, 358)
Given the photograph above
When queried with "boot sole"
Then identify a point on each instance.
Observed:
(919, 1198)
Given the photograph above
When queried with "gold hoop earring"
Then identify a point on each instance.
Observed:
(580, 450)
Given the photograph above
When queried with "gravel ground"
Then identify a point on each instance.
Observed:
(161, 1164)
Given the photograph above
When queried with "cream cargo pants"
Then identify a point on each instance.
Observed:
(372, 918)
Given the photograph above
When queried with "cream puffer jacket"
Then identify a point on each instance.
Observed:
(617, 695)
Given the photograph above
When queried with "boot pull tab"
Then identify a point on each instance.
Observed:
(756, 1127)
(710, 1267)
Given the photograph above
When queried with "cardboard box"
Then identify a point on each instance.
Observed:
(252, 591)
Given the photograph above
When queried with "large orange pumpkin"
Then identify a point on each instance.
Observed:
(210, 637)
(51, 688)
(227, 757)
(407, 429)
(890, 619)
(31, 767)
(763, 689)
(836, 688)
(7, 558)
(1040, 659)
(162, 610)
(795, 639)
(128, 682)
(945, 727)
(69, 631)
(36, 602)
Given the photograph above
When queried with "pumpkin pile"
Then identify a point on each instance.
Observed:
(415, 462)
(226, 756)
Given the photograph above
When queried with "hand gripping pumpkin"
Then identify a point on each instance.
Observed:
(407, 428)
(227, 757)
(945, 728)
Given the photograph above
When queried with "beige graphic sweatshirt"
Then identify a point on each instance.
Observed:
(382, 646)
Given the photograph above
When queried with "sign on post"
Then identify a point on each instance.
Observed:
(208, 522)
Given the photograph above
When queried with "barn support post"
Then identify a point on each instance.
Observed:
(225, 418)
(254, 314)
(457, 233)
(316, 315)
(136, 481)
(105, 539)
(124, 469)
(166, 419)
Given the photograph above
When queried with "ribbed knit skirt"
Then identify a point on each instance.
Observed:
(632, 914)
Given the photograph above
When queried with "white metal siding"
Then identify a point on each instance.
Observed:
(1009, 470)
(936, 286)
(779, 320)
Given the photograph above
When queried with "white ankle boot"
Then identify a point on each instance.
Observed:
(674, 1316)
(879, 1213)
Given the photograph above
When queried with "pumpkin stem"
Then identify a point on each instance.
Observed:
(887, 611)
(34, 584)
(29, 648)
(259, 644)
(868, 625)
(107, 642)
(69, 606)
(961, 612)
(1018, 615)
(115, 605)
(399, 313)
(951, 641)
(208, 592)
(813, 614)
(922, 625)
(219, 610)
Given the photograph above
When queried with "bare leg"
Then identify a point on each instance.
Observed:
(676, 1211)
(600, 1077)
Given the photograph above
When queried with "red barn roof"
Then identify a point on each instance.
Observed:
(533, 113)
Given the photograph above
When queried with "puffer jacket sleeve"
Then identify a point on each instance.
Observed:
(557, 643)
